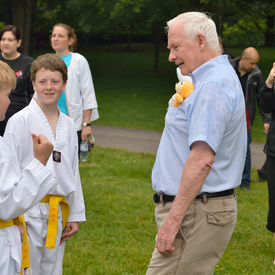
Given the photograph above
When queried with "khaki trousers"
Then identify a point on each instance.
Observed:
(204, 234)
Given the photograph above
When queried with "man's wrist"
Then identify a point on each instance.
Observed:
(85, 124)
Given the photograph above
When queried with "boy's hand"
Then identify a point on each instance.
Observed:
(21, 230)
(42, 148)
(70, 229)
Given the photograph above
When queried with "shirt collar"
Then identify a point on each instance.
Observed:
(205, 69)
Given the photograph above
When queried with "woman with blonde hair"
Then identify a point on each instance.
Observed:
(78, 100)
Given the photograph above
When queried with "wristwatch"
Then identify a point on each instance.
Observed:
(84, 124)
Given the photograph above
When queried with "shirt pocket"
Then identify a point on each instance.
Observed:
(170, 120)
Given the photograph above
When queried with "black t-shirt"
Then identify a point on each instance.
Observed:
(21, 96)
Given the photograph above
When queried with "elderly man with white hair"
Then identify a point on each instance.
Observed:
(201, 154)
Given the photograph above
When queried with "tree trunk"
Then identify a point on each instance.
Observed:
(156, 39)
(269, 35)
(220, 17)
(23, 12)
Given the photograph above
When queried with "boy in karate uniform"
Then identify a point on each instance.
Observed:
(19, 190)
(46, 220)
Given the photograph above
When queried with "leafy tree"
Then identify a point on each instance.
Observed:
(261, 15)
(21, 14)
(240, 22)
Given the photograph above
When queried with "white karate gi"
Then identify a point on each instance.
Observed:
(32, 120)
(18, 192)
(80, 93)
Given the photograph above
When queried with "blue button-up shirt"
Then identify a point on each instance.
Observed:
(214, 113)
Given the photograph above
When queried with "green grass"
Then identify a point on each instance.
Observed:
(129, 93)
(118, 237)
(252, 247)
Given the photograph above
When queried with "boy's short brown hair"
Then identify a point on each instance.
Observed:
(50, 62)
(7, 76)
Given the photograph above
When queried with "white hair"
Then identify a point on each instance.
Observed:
(197, 22)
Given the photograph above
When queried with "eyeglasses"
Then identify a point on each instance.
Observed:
(8, 40)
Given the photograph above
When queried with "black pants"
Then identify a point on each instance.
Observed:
(271, 193)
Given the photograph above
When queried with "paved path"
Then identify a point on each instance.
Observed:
(143, 141)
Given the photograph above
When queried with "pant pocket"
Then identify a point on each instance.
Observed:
(221, 218)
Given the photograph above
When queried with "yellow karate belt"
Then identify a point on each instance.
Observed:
(5, 224)
(25, 246)
(53, 217)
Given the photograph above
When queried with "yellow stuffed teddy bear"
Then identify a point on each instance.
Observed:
(183, 90)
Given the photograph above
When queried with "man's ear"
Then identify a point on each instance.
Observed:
(201, 40)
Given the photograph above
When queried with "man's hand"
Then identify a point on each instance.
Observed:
(166, 237)
(70, 229)
(42, 148)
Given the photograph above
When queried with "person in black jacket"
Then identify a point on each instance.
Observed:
(267, 102)
(20, 97)
(252, 81)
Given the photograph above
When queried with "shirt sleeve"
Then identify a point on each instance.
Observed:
(22, 184)
(20, 191)
(75, 199)
(267, 99)
(87, 86)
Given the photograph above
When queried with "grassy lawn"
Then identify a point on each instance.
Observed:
(118, 237)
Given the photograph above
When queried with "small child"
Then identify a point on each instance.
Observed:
(19, 191)
(46, 220)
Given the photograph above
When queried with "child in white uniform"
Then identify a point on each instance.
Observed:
(19, 191)
(46, 221)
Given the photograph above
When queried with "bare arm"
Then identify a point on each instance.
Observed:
(269, 83)
(86, 131)
(195, 171)
(271, 77)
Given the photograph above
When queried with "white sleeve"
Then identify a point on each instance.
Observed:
(20, 191)
(23, 183)
(87, 86)
(76, 199)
